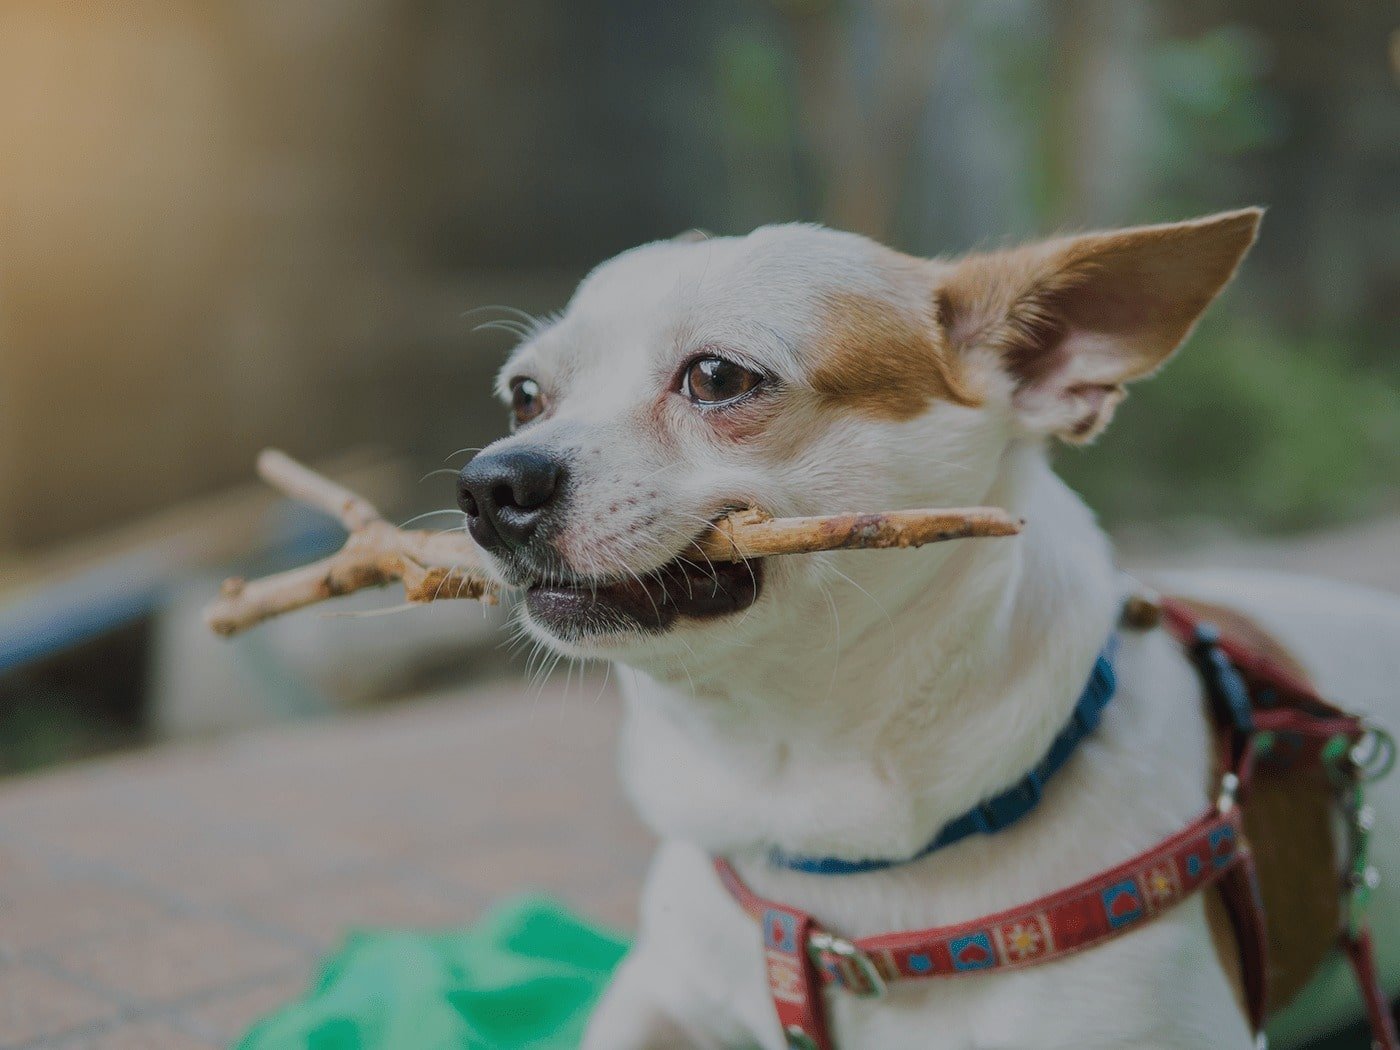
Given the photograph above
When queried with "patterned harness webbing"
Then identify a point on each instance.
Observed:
(1256, 699)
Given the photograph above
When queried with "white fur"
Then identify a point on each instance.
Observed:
(867, 698)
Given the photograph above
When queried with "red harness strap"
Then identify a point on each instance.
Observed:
(802, 958)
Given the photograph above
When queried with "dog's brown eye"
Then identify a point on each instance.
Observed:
(714, 380)
(526, 400)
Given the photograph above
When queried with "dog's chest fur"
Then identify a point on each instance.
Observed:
(1089, 822)
(1035, 616)
(1143, 775)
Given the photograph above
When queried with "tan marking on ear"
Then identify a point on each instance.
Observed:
(1143, 288)
(878, 360)
(1288, 821)
(1076, 318)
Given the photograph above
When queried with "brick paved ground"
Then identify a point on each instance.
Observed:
(164, 900)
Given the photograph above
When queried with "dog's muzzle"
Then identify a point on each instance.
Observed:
(513, 499)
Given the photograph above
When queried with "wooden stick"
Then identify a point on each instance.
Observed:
(431, 565)
(753, 534)
(435, 565)
(302, 483)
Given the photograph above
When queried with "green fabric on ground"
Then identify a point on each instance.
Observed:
(524, 977)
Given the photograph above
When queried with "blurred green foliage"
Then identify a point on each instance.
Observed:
(756, 103)
(1283, 411)
(1247, 426)
(1210, 93)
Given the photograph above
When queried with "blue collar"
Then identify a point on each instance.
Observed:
(1005, 809)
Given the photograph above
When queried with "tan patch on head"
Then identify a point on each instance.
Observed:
(879, 360)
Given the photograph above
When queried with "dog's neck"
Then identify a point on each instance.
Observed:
(952, 673)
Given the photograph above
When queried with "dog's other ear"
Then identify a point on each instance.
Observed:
(692, 235)
(1074, 319)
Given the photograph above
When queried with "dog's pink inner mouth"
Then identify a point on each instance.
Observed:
(653, 603)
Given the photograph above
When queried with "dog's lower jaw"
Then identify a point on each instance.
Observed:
(649, 603)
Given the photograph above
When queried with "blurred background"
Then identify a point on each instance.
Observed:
(283, 222)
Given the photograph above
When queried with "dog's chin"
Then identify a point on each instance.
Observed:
(605, 615)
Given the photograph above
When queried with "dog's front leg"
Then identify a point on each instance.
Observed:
(694, 980)
(631, 1017)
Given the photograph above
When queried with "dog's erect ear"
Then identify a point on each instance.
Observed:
(692, 235)
(1076, 318)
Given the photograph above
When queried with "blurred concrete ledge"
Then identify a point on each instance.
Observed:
(354, 652)
(71, 590)
(128, 604)
(1366, 553)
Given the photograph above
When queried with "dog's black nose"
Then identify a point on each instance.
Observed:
(505, 494)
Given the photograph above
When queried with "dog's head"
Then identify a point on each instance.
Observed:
(802, 371)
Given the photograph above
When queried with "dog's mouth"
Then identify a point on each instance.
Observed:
(650, 602)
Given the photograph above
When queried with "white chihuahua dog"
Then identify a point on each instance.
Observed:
(848, 705)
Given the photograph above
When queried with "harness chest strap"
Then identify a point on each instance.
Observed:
(802, 959)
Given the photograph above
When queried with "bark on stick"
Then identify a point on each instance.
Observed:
(434, 565)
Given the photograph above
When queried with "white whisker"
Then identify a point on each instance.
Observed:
(428, 514)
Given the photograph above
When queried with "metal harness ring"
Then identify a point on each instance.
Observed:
(1374, 753)
(875, 987)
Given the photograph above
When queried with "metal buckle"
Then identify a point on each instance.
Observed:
(820, 941)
